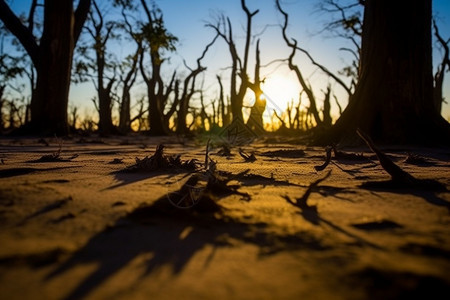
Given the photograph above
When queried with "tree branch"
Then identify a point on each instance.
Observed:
(20, 31)
(80, 17)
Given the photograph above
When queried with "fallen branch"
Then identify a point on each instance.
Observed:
(398, 175)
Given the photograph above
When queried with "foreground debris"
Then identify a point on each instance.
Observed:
(160, 161)
(400, 178)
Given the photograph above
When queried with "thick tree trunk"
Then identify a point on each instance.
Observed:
(49, 102)
(393, 100)
(52, 59)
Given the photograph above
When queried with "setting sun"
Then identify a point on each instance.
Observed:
(279, 90)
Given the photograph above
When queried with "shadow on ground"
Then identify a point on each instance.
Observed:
(172, 236)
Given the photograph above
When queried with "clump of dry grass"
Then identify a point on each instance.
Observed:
(415, 159)
(225, 150)
(55, 156)
(160, 161)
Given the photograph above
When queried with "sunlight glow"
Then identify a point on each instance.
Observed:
(280, 90)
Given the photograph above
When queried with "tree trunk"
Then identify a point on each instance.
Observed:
(105, 121)
(155, 114)
(125, 113)
(52, 59)
(155, 118)
(49, 102)
(393, 100)
(2, 125)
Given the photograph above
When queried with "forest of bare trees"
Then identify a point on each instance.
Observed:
(390, 88)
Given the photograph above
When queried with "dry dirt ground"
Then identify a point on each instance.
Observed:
(74, 225)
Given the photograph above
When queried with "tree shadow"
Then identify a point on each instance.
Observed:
(171, 237)
(429, 195)
(125, 178)
(311, 215)
(46, 209)
(12, 172)
(251, 179)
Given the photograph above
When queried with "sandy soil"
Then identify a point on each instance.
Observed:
(81, 229)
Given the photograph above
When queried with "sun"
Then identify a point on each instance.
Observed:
(279, 90)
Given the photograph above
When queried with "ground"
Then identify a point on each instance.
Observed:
(79, 227)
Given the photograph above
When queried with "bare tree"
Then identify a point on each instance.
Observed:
(238, 66)
(189, 90)
(443, 67)
(127, 77)
(293, 44)
(100, 32)
(73, 117)
(156, 40)
(255, 121)
(223, 109)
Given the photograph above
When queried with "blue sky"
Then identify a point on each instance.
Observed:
(187, 19)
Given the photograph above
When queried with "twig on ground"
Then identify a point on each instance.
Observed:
(247, 157)
(327, 160)
(55, 156)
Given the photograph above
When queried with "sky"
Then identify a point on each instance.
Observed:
(186, 20)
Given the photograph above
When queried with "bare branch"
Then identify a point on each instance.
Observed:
(31, 15)
(20, 31)
(80, 17)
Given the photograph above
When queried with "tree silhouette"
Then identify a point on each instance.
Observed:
(127, 76)
(442, 68)
(393, 100)
(10, 68)
(100, 32)
(188, 90)
(157, 39)
(238, 66)
(51, 55)
(293, 44)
